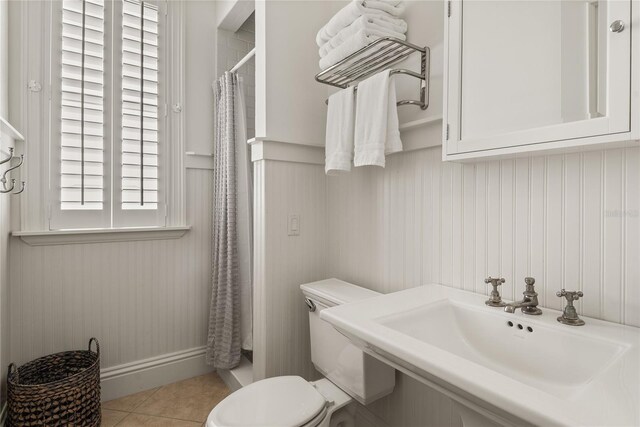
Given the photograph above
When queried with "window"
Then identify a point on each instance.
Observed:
(108, 147)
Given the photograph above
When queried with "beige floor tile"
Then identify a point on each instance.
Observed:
(140, 420)
(190, 399)
(130, 402)
(110, 418)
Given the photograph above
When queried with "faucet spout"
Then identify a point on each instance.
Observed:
(511, 307)
(529, 304)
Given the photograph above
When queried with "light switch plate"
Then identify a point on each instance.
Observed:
(293, 225)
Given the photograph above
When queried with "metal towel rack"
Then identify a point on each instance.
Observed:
(377, 56)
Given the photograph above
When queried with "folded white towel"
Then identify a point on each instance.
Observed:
(339, 136)
(353, 11)
(357, 41)
(376, 129)
(372, 26)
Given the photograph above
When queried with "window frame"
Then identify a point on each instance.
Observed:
(171, 202)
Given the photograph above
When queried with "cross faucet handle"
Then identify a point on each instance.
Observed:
(571, 296)
(494, 299)
(569, 314)
(494, 281)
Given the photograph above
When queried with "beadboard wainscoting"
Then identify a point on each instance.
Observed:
(143, 300)
(571, 221)
(283, 263)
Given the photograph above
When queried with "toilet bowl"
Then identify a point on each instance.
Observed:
(291, 401)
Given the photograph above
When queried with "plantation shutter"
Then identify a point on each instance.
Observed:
(82, 112)
(108, 153)
(139, 99)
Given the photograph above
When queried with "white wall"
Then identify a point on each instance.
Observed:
(142, 299)
(283, 262)
(290, 108)
(200, 41)
(287, 107)
(232, 47)
(569, 220)
(5, 200)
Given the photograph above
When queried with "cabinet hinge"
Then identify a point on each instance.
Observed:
(449, 9)
(447, 133)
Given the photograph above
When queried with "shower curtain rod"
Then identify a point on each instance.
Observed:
(247, 57)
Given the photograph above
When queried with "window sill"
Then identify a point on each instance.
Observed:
(102, 235)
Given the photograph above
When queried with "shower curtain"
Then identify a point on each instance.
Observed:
(229, 326)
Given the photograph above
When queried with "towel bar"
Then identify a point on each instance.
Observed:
(377, 56)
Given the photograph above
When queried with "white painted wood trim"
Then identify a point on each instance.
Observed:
(129, 378)
(238, 377)
(556, 147)
(195, 160)
(67, 237)
(265, 149)
(175, 188)
(262, 149)
(7, 128)
(420, 122)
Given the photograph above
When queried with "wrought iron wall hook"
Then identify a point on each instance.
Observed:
(3, 180)
(24, 184)
(13, 184)
(8, 159)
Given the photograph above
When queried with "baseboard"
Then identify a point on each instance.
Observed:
(238, 377)
(129, 378)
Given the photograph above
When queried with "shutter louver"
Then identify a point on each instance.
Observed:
(139, 105)
(82, 105)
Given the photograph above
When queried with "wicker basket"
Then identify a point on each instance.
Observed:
(61, 389)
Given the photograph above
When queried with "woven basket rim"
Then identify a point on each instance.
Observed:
(65, 379)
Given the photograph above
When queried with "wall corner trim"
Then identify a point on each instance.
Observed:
(266, 149)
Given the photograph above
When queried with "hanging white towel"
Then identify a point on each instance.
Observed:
(339, 135)
(353, 11)
(376, 128)
(372, 26)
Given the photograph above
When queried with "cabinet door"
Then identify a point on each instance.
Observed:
(523, 72)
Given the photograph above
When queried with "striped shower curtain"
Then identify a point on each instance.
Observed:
(224, 338)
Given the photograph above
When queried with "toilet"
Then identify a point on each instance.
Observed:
(291, 401)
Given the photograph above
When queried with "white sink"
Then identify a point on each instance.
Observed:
(523, 368)
(486, 337)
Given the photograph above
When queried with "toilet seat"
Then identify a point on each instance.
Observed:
(288, 401)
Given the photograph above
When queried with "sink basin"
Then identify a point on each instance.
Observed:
(510, 367)
(553, 358)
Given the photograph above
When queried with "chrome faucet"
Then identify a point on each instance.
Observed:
(529, 304)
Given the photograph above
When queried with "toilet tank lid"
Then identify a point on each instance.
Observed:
(336, 291)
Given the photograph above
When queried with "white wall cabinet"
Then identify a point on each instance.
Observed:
(523, 76)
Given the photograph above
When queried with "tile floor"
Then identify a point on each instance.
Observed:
(183, 404)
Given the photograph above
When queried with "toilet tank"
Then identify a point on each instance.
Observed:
(361, 376)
